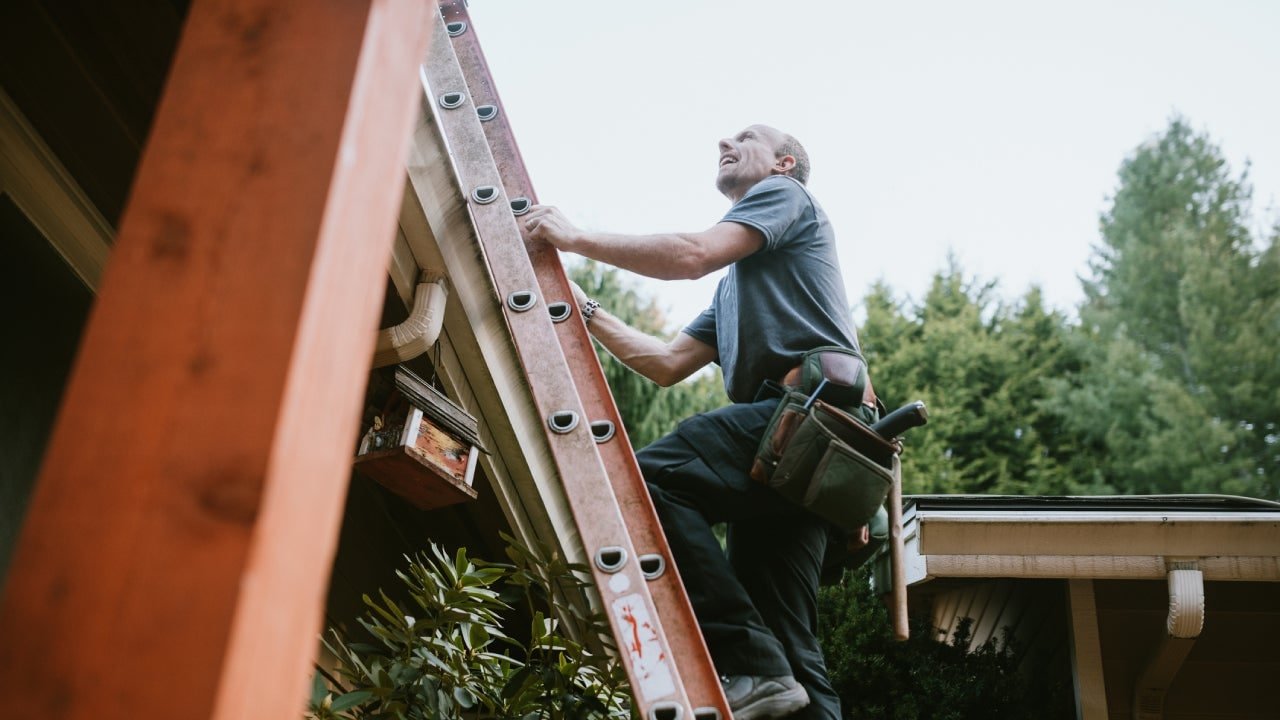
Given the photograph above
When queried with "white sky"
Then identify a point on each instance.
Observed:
(990, 129)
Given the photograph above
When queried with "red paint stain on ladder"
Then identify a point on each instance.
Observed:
(636, 646)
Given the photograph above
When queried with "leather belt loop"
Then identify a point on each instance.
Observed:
(791, 381)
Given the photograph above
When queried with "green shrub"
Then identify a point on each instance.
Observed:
(922, 679)
(449, 654)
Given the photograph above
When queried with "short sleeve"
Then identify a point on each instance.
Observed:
(703, 327)
(771, 206)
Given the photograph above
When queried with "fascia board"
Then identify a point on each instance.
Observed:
(32, 176)
(1063, 516)
(974, 544)
(1195, 534)
(1101, 567)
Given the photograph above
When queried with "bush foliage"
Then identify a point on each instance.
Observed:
(879, 677)
(451, 653)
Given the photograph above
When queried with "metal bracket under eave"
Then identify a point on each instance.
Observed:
(1182, 627)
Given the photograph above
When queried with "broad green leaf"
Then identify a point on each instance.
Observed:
(350, 700)
(318, 688)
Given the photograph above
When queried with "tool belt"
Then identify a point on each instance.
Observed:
(818, 455)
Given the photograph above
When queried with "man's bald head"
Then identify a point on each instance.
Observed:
(756, 153)
(791, 146)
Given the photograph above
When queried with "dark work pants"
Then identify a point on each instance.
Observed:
(757, 607)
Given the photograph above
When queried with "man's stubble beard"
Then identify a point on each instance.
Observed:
(725, 183)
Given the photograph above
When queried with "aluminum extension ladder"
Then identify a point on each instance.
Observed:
(671, 673)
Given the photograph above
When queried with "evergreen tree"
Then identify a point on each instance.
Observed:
(1180, 389)
(981, 367)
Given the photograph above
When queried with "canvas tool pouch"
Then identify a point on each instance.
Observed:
(826, 461)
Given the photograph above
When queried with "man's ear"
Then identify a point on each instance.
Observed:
(784, 164)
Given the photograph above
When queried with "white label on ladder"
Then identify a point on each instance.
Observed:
(651, 666)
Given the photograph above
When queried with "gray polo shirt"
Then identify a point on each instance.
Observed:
(784, 299)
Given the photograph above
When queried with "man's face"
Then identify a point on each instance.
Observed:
(746, 159)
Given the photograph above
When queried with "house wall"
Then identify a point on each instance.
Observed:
(1030, 613)
(1228, 675)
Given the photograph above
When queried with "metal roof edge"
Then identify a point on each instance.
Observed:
(1093, 503)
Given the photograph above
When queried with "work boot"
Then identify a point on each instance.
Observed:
(753, 697)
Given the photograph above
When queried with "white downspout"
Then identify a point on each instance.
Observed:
(1182, 627)
(420, 330)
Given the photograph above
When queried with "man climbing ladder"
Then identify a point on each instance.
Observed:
(783, 296)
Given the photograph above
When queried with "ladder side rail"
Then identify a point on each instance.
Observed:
(690, 651)
(477, 361)
(642, 645)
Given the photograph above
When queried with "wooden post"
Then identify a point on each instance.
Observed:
(176, 551)
(897, 557)
(1086, 652)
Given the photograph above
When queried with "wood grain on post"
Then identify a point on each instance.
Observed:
(177, 547)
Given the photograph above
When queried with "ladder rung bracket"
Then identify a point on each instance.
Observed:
(699, 676)
(451, 100)
(666, 711)
(485, 194)
(603, 431)
(611, 559)
(522, 300)
(652, 566)
(563, 422)
(624, 592)
(559, 311)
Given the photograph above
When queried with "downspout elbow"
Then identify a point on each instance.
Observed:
(1186, 602)
(419, 331)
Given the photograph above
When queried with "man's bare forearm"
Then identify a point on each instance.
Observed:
(665, 363)
(642, 353)
(664, 256)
